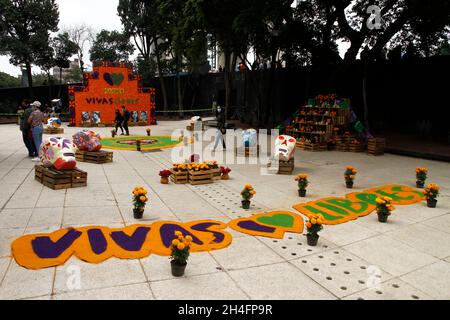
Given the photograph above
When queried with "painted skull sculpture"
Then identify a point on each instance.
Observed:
(87, 140)
(54, 123)
(249, 138)
(58, 153)
(285, 147)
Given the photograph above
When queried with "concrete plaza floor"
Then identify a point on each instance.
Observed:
(410, 255)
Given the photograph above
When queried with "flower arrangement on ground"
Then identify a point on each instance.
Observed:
(247, 194)
(212, 164)
(179, 167)
(165, 174)
(384, 208)
(148, 131)
(431, 193)
(198, 167)
(314, 226)
(421, 176)
(349, 174)
(180, 251)
(140, 200)
(225, 171)
(113, 133)
(302, 180)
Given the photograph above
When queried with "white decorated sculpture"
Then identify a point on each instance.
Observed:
(59, 153)
(250, 138)
(285, 147)
(54, 123)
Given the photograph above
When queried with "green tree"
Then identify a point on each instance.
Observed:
(24, 29)
(8, 81)
(112, 46)
(74, 75)
(143, 22)
(64, 49)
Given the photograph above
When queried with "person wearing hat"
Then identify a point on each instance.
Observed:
(35, 121)
(26, 131)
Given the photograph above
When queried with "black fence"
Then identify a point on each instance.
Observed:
(408, 96)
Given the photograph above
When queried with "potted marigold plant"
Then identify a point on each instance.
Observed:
(421, 177)
(314, 226)
(431, 193)
(113, 133)
(384, 208)
(225, 171)
(140, 199)
(180, 249)
(247, 194)
(148, 131)
(165, 174)
(303, 182)
(349, 175)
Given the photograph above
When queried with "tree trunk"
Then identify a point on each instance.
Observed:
(60, 83)
(366, 107)
(227, 83)
(268, 118)
(179, 94)
(161, 78)
(30, 79)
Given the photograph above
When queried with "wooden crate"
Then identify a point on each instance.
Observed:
(247, 151)
(286, 167)
(200, 177)
(60, 179)
(97, 157)
(216, 174)
(53, 130)
(86, 124)
(314, 147)
(142, 123)
(179, 177)
(376, 146)
(353, 147)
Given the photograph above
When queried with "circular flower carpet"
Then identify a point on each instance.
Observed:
(147, 143)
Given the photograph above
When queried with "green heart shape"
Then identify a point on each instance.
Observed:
(117, 78)
(278, 220)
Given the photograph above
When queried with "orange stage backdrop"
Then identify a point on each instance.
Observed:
(109, 87)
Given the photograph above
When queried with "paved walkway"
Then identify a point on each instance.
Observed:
(410, 255)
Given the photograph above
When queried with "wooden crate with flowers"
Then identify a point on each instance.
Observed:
(355, 146)
(179, 173)
(199, 173)
(215, 169)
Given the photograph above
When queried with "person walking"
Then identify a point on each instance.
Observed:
(126, 117)
(119, 121)
(26, 131)
(35, 121)
(221, 128)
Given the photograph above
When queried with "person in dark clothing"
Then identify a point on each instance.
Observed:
(126, 117)
(221, 128)
(119, 121)
(26, 132)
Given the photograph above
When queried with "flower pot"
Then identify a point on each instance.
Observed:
(349, 184)
(312, 239)
(420, 184)
(177, 269)
(148, 133)
(164, 180)
(138, 213)
(382, 217)
(431, 203)
(302, 193)
(225, 177)
(246, 204)
(113, 134)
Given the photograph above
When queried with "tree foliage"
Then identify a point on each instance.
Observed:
(25, 26)
(111, 46)
(8, 81)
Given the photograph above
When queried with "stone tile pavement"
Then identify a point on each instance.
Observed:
(408, 258)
